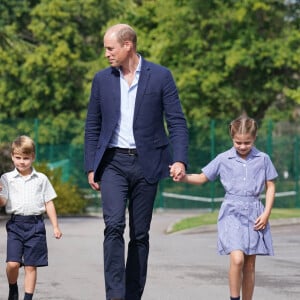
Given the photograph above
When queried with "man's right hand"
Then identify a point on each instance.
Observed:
(94, 185)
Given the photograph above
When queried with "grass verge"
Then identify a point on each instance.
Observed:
(211, 218)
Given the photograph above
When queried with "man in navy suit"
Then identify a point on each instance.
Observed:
(127, 152)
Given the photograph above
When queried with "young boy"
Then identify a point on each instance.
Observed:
(27, 195)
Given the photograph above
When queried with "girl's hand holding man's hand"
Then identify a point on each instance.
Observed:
(177, 171)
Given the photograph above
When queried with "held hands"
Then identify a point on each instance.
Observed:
(177, 171)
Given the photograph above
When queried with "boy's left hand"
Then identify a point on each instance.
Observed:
(57, 233)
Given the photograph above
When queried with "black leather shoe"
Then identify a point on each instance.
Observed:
(13, 296)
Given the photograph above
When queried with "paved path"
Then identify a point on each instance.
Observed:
(182, 266)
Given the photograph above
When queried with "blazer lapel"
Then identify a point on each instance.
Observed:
(143, 80)
(115, 90)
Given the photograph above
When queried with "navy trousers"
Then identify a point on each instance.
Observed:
(123, 185)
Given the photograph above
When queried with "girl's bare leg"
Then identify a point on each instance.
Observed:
(235, 272)
(248, 277)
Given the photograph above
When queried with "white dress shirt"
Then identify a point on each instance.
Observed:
(26, 195)
(123, 134)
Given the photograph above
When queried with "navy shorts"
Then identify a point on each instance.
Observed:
(26, 240)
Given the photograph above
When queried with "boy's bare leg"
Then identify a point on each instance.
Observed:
(30, 279)
(12, 273)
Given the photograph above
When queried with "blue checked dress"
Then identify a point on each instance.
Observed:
(243, 181)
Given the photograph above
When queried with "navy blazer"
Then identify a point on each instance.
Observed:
(157, 101)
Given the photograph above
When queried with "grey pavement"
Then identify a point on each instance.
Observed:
(182, 266)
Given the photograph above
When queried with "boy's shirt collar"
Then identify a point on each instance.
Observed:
(15, 173)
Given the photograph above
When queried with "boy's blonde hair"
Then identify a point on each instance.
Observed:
(243, 125)
(23, 145)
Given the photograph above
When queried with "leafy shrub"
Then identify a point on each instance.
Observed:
(70, 198)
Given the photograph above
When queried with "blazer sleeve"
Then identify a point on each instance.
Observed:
(175, 119)
(92, 126)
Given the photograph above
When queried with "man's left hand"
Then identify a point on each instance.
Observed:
(177, 171)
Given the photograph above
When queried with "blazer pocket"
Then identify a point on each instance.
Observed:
(159, 143)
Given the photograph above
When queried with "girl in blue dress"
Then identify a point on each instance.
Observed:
(243, 227)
